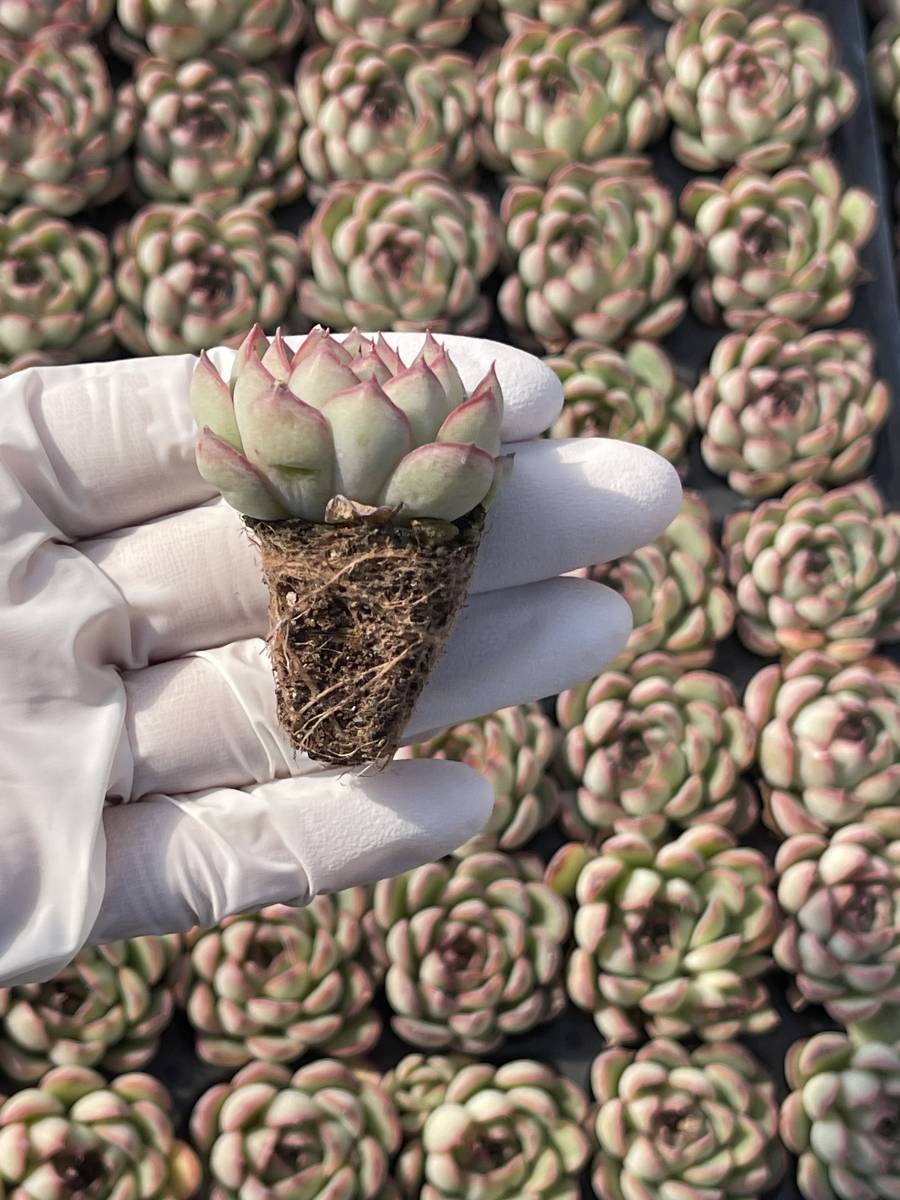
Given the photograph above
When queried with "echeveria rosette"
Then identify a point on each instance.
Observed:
(276, 984)
(513, 749)
(56, 291)
(841, 942)
(841, 1117)
(550, 97)
(76, 1136)
(784, 245)
(434, 23)
(326, 1130)
(633, 395)
(513, 16)
(669, 1120)
(777, 407)
(64, 129)
(670, 940)
(757, 92)
(816, 570)
(372, 113)
(884, 66)
(655, 748)
(829, 744)
(473, 950)
(107, 1008)
(673, 10)
(217, 133)
(23, 20)
(188, 278)
(178, 30)
(410, 254)
(282, 437)
(418, 1084)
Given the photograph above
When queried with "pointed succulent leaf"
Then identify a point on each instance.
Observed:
(252, 347)
(278, 358)
(441, 480)
(211, 402)
(476, 420)
(371, 436)
(435, 356)
(321, 373)
(242, 486)
(417, 391)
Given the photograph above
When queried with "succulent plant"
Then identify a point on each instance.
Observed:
(515, 1132)
(554, 96)
(670, 939)
(188, 279)
(107, 1008)
(77, 1137)
(633, 395)
(756, 92)
(326, 1130)
(23, 20)
(179, 29)
(596, 254)
(816, 570)
(372, 113)
(692, 1122)
(673, 10)
(776, 407)
(431, 22)
(654, 748)
(884, 67)
(418, 1085)
(784, 245)
(829, 744)
(675, 590)
(841, 1117)
(515, 15)
(841, 941)
(56, 294)
(216, 133)
(473, 950)
(282, 437)
(64, 130)
(513, 749)
(409, 254)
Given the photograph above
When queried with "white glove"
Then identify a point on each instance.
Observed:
(145, 784)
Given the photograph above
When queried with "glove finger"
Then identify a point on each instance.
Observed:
(176, 862)
(192, 580)
(209, 720)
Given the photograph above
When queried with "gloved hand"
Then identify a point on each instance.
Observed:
(145, 785)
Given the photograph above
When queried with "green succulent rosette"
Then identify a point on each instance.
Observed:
(513, 749)
(841, 1117)
(408, 254)
(655, 748)
(501, 17)
(550, 97)
(64, 129)
(757, 92)
(188, 279)
(676, 1121)
(816, 570)
(178, 30)
(56, 293)
(24, 20)
(76, 1136)
(472, 950)
(434, 23)
(596, 254)
(326, 1130)
(884, 68)
(829, 744)
(670, 940)
(633, 395)
(777, 407)
(784, 245)
(418, 1085)
(673, 10)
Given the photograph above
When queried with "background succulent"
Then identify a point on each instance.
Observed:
(596, 254)
(778, 246)
(687, 1121)
(670, 940)
(64, 129)
(473, 950)
(512, 16)
(176, 30)
(841, 1116)
(22, 20)
(56, 291)
(431, 22)
(513, 749)
(884, 71)
(372, 113)
(829, 743)
(551, 97)
(816, 570)
(671, 10)
(418, 1085)
(757, 92)
(776, 407)
(634, 395)
(216, 133)
(188, 279)
(410, 254)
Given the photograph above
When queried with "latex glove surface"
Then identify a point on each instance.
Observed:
(145, 785)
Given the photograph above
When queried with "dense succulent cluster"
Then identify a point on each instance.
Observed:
(512, 16)
(438, 23)
(177, 31)
(22, 20)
